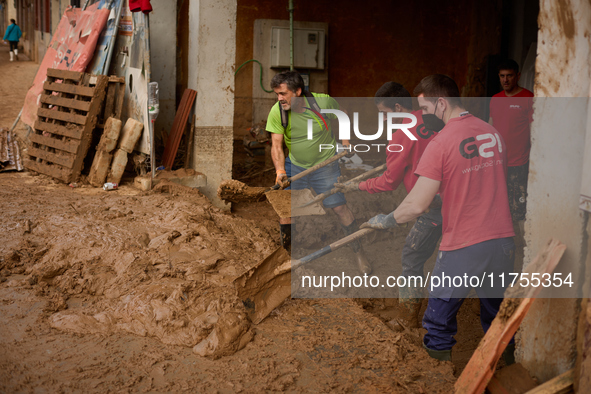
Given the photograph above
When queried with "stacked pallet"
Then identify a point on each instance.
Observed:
(68, 113)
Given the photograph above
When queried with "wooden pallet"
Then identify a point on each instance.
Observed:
(67, 115)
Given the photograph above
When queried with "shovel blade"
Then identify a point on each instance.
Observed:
(265, 286)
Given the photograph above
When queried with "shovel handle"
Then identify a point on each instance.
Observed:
(312, 169)
(332, 247)
(334, 190)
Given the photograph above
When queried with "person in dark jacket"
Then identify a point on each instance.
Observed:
(12, 35)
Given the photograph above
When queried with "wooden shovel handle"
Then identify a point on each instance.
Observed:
(312, 169)
(332, 247)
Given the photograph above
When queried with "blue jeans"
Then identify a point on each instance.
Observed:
(489, 257)
(321, 180)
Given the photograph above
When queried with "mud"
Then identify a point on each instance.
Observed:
(508, 308)
(236, 191)
(143, 282)
(125, 291)
(176, 288)
(288, 203)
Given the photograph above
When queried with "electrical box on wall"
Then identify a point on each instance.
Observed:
(308, 51)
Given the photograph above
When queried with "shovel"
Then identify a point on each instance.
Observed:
(334, 190)
(265, 286)
(236, 191)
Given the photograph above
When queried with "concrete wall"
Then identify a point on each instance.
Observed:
(11, 12)
(163, 60)
(212, 52)
(372, 42)
(546, 341)
(41, 42)
(263, 101)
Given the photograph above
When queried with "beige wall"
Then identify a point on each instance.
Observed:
(212, 51)
(547, 339)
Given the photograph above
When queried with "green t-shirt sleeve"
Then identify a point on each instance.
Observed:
(274, 121)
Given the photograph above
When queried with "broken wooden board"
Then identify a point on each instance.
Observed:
(483, 362)
(68, 112)
(178, 128)
(287, 203)
(562, 384)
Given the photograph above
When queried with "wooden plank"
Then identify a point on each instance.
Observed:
(60, 115)
(190, 141)
(65, 159)
(68, 88)
(119, 102)
(70, 130)
(91, 120)
(116, 79)
(65, 102)
(109, 101)
(178, 127)
(70, 146)
(53, 171)
(482, 364)
(65, 74)
(559, 385)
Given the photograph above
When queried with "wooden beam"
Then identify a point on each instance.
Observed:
(70, 146)
(63, 116)
(65, 102)
(64, 74)
(64, 160)
(70, 130)
(561, 384)
(481, 366)
(69, 89)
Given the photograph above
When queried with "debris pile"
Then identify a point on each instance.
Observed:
(10, 154)
(167, 275)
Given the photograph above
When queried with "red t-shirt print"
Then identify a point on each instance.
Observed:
(401, 165)
(512, 117)
(468, 157)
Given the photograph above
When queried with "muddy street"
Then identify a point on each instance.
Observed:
(131, 291)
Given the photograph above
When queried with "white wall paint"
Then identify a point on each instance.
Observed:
(547, 336)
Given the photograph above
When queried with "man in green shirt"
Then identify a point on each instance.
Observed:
(305, 152)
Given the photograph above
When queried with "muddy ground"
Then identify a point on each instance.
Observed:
(131, 291)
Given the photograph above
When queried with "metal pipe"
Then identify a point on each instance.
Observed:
(291, 35)
(148, 75)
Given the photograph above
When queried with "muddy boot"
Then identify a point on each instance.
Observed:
(285, 230)
(409, 306)
(16, 54)
(360, 258)
(441, 355)
(11, 56)
(509, 354)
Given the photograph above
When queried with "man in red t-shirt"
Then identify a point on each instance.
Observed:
(511, 114)
(466, 164)
(400, 168)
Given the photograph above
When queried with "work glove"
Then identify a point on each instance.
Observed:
(381, 222)
(282, 179)
(347, 187)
